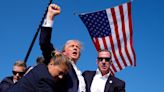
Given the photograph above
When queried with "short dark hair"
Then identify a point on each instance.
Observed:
(106, 50)
(40, 60)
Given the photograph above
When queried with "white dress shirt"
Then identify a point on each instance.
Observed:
(98, 82)
(82, 85)
(48, 23)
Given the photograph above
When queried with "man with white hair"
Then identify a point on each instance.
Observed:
(73, 81)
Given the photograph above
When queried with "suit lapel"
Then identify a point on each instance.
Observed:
(90, 78)
(109, 86)
(73, 80)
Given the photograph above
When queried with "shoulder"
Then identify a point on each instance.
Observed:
(7, 79)
(39, 70)
(6, 83)
(118, 81)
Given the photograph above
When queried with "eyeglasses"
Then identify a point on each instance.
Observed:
(107, 59)
(20, 73)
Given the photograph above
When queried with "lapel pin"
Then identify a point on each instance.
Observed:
(110, 81)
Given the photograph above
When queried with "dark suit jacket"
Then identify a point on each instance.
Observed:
(37, 80)
(6, 83)
(117, 85)
(70, 82)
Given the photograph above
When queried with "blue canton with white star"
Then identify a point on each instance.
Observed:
(97, 23)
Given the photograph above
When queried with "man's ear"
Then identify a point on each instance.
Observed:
(97, 62)
(64, 53)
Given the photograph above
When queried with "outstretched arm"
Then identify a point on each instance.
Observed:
(46, 30)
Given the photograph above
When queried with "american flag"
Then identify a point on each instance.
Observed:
(112, 29)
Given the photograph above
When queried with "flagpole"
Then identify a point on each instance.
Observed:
(36, 34)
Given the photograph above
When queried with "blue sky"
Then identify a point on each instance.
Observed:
(19, 21)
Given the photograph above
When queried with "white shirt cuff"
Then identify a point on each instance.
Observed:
(48, 23)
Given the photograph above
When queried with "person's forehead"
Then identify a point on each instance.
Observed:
(104, 54)
(59, 67)
(70, 43)
(18, 68)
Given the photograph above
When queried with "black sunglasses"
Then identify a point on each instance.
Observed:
(20, 73)
(107, 59)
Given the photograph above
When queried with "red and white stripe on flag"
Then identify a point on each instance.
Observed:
(119, 41)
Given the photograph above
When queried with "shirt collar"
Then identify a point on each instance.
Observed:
(100, 75)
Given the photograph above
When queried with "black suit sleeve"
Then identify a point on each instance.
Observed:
(6, 83)
(45, 43)
(45, 85)
(120, 86)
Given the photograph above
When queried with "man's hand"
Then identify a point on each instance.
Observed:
(53, 10)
